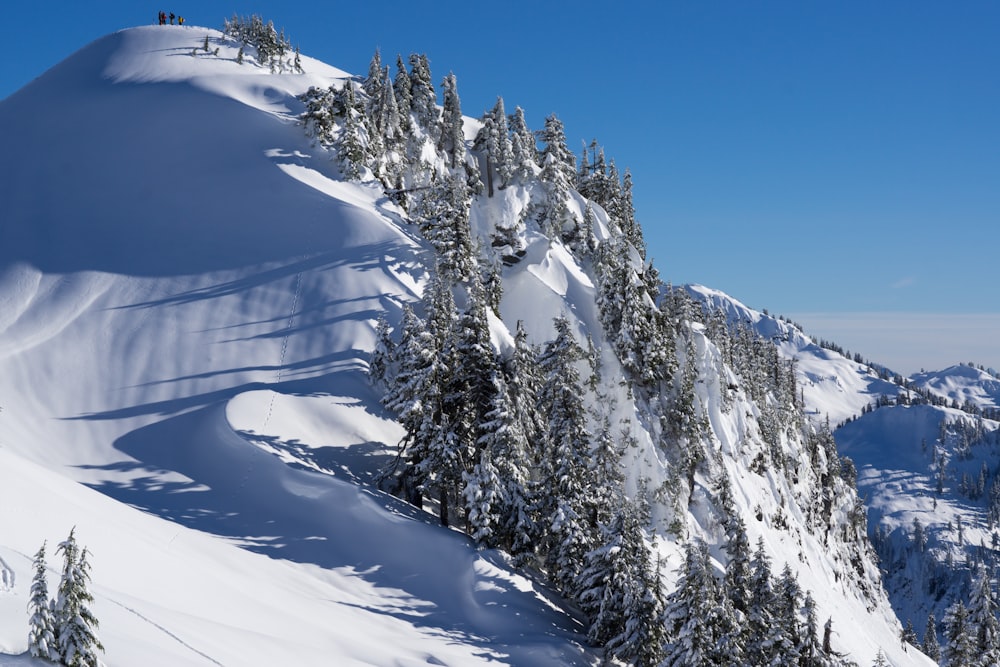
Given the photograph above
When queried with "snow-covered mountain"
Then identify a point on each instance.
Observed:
(927, 452)
(191, 284)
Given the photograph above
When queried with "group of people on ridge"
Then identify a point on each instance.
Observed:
(163, 19)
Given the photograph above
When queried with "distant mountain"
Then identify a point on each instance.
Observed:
(243, 295)
(927, 452)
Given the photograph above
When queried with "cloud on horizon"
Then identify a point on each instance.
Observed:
(903, 282)
(909, 342)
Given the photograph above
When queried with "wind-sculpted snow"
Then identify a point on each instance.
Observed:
(188, 289)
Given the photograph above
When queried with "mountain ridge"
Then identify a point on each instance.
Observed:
(223, 322)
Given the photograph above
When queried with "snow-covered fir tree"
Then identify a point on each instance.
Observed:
(452, 140)
(558, 172)
(523, 147)
(77, 640)
(42, 628)
(960, 635)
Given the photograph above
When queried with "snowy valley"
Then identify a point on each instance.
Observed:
(323, 369)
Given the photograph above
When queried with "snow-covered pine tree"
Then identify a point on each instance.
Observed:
(483, 496)
(983, 620)
(788, 596)
(589, 178)
(390, 122)
(738, 576)
(413, 393)
(423, 104)
(352, 141)
(452, 140)
(77, 626)
(763, 631)
(41, 622)
(501, 149)
(564, 489)
(380, 371)
(403, 92)
(557, 175)
(469, 394)
(691, 638)
(372, 84)
(620, 591)
(523, 147)
(444, 221)
(493, 139)
(318, 118)
(436, 457)
(503, 441)
(930, 645)
(811, 652)
(961, 648)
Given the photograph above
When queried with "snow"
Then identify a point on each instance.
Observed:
(188, 295)
(188, 289)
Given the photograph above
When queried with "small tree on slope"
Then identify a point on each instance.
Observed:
(41, 624)
(78, 642)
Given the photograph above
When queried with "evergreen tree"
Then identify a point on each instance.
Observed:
(77, 625)
(960, 651)
(763, 629)
(626, 216)
(738, 575)
(438, 453)
(415, 396)
(502, 439)
(558, 172)
(811, 654)
(523, 148)
(983, 620)
(930, 645)
(444, 221)
(423, 103)
(352, 140)
(372, 84)
(452, 140)
(909, 635)
(483, 494)
(691, 638)
(41, 623)
(493, 139)
(500, 146)
(620, 590)
(570, 532)
(403, 92)
(380, 370)
(525, 381)
(788, 598)
(390, 121)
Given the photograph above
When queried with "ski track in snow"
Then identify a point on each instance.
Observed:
(166, 632)
(284, 346)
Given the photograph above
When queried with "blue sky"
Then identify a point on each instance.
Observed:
(838, 163)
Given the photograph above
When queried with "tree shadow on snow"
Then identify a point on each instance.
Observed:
(192, 469)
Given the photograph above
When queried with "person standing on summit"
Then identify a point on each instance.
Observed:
(163, 18)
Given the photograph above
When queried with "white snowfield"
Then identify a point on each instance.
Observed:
(188, 296)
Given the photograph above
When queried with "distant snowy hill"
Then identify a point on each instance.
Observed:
(190, 294)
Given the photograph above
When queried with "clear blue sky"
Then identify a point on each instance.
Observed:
(804, 157)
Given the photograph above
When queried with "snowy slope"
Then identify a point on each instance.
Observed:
(835, 388)
(177, 270)
(188, 296)
(962, 384)
(915, 462)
